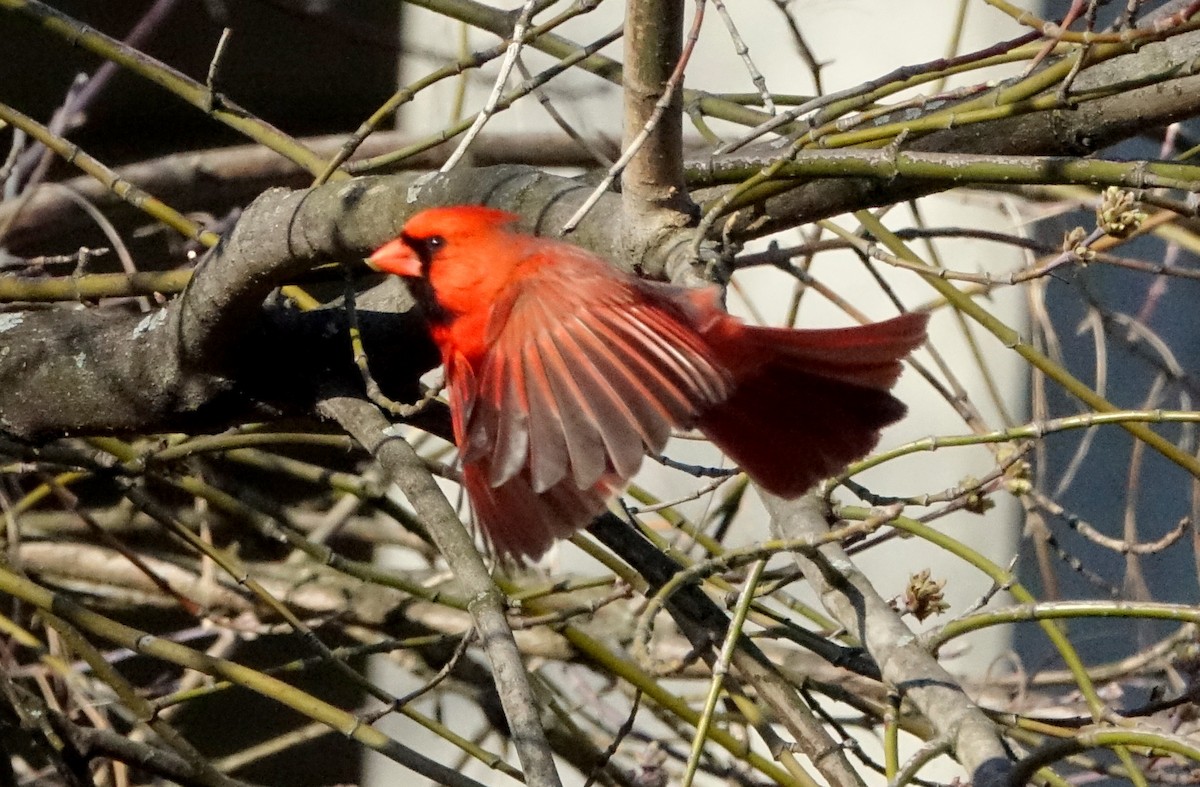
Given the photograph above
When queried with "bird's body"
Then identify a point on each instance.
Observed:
(564, 372)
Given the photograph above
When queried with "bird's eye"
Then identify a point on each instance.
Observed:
(424, 247)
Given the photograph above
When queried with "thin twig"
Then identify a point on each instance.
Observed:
(506, 67)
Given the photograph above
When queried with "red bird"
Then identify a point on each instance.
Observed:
(564, 372)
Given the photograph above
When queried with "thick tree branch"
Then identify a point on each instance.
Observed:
(366, 424)
(1077, 130)
(221, 180)
(905, 665)
(653, 179)
(705, 624)
(216, 355)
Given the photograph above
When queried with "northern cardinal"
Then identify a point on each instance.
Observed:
(563, 372)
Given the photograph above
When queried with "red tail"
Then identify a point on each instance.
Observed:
(807, 402)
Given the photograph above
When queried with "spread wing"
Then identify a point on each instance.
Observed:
(585, 372)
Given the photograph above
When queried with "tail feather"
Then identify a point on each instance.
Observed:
(865, 355)
(807, 403)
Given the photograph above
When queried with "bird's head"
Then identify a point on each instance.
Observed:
(439, 233)
(460, 256)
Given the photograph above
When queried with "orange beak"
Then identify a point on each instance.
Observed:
(396, 257)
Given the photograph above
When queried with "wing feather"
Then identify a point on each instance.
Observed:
(651, 418)
(547, 444)
(578, 370)
(463, 397)
(654, 387)
(510, 450)
(600, 383)
(582, 433)
(681, 349)
(583, 372)
(517, 522)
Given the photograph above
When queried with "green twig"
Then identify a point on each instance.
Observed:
(1011, 339)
